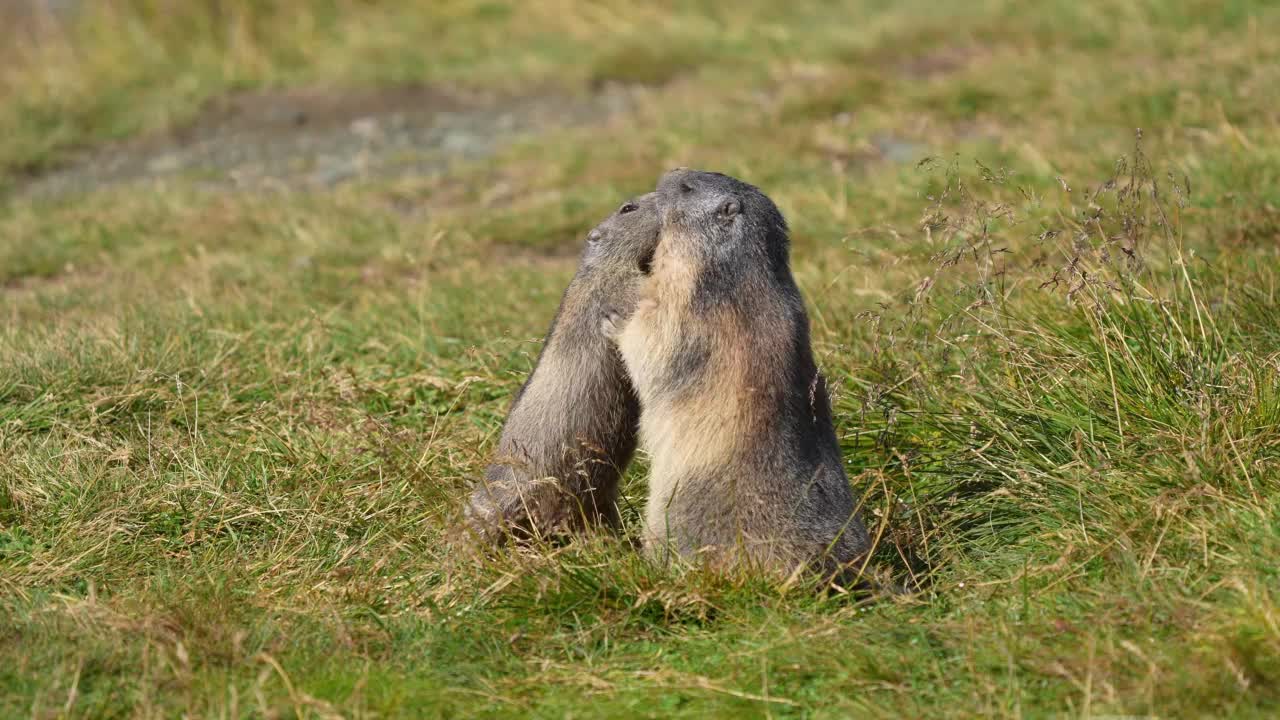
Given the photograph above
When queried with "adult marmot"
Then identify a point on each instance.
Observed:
(745, 463)
(571, 429)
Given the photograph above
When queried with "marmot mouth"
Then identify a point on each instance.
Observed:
(646, 261)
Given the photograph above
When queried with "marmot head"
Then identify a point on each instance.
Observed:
(625, 241)
(717, 217)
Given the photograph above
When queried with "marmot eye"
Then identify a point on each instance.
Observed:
(629, 207)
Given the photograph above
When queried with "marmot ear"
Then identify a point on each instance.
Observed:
(728, 209)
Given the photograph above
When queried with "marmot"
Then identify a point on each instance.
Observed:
(745, 464)
(572, 427)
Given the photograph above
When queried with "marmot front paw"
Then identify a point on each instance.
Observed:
(611, 324)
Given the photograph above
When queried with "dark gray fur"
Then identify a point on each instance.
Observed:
(571, 429)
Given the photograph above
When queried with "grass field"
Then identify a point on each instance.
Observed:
(237, 422)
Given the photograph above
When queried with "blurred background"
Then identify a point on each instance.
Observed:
(319, 93)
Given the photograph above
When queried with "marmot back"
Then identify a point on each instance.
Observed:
(746, 466)
(571, 429)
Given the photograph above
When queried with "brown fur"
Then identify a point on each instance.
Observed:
(746, 467)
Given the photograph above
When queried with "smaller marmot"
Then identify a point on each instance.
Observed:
(745, 464)
(572, 427)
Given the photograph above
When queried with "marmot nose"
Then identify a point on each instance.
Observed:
(594, 235)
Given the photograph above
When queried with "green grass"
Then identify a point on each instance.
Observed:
(236, 428)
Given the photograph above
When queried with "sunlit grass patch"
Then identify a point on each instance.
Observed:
(236, 420)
